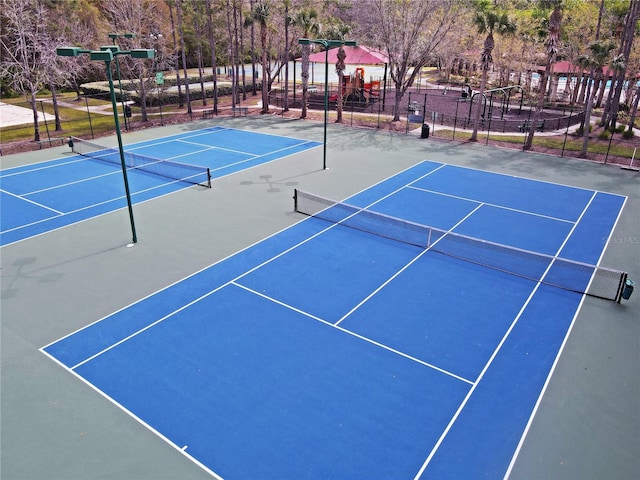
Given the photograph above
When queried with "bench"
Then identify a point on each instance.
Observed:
(51, 141)
(241, 111)
(526, 126)
(207, 114)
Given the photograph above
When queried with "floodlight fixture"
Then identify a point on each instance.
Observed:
(113, 36)
(142, 53)
(327, 44)
(107, 54)
(70, 51)
(112, 48)
(104, 55)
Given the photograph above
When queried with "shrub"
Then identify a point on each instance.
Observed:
(580, 131)
(628, 134)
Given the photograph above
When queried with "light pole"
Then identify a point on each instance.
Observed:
(113, 37)
(156, 37)
(327, 44)
(106, 54)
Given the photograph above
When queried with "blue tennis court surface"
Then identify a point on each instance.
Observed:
(49, 195)
(327, 352)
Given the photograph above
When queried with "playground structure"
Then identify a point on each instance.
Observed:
(467, 92)
(356, 89)
(502, 109)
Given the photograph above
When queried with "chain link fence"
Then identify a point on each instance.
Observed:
(505, 119)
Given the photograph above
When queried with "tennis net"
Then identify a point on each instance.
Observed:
(559, 272)
(183, 172)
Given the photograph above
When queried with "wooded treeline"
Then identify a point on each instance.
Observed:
(480, 42)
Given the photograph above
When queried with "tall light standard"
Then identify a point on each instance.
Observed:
(106, 54)
(327, 44)
(113, 37)
(156, 37)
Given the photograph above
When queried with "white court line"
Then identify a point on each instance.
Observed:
(32, 202)
(423, 252)
(555, 362)
(247, 272)
(533, 214)
(37, 168)
(496, 351)
(203, 269)
(214, 147)
(189, 276)
(71, 212)
(75, 182)
(181, 449)
(357, 335)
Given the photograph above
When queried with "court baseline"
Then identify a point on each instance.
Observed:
(324, 353)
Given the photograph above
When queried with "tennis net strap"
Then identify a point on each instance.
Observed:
(183, 172)
(559, 272)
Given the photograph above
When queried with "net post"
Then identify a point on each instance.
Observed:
(72, 143)
(571, 275)
(165, 168)
(623, 280)
(295, 199)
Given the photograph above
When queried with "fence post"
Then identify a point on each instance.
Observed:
(609, 147)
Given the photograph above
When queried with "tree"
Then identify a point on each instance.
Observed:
(488, 20)
(340, 67)
(133, 16)
(610, 112)
(212, 43)
(197, 13)
(600, 55)
(307, 21)
(28, 51)
(552, 45)
(181, 35)
(170, 4)
(236, 52)
(288, 20)
(233, 54)
(409, 32)
(634, 111)
(71, 24)
(260, 15)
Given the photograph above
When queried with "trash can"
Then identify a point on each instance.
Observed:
(628, 289)
(127, 111)
(425, 131)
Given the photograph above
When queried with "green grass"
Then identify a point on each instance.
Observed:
(574, 144)
(74, 121)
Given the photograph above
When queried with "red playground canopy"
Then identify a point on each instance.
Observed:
(355, 56)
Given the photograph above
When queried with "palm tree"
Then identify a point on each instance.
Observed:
(307, 21)
(170, 4)
(340, 67)
(232, 54)
(610, 113)
(553, 40)
(488, 20)
(212, 43)
(178, 5)
(634, 111)
(288, 20)
(259, 15)
(600, 55)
